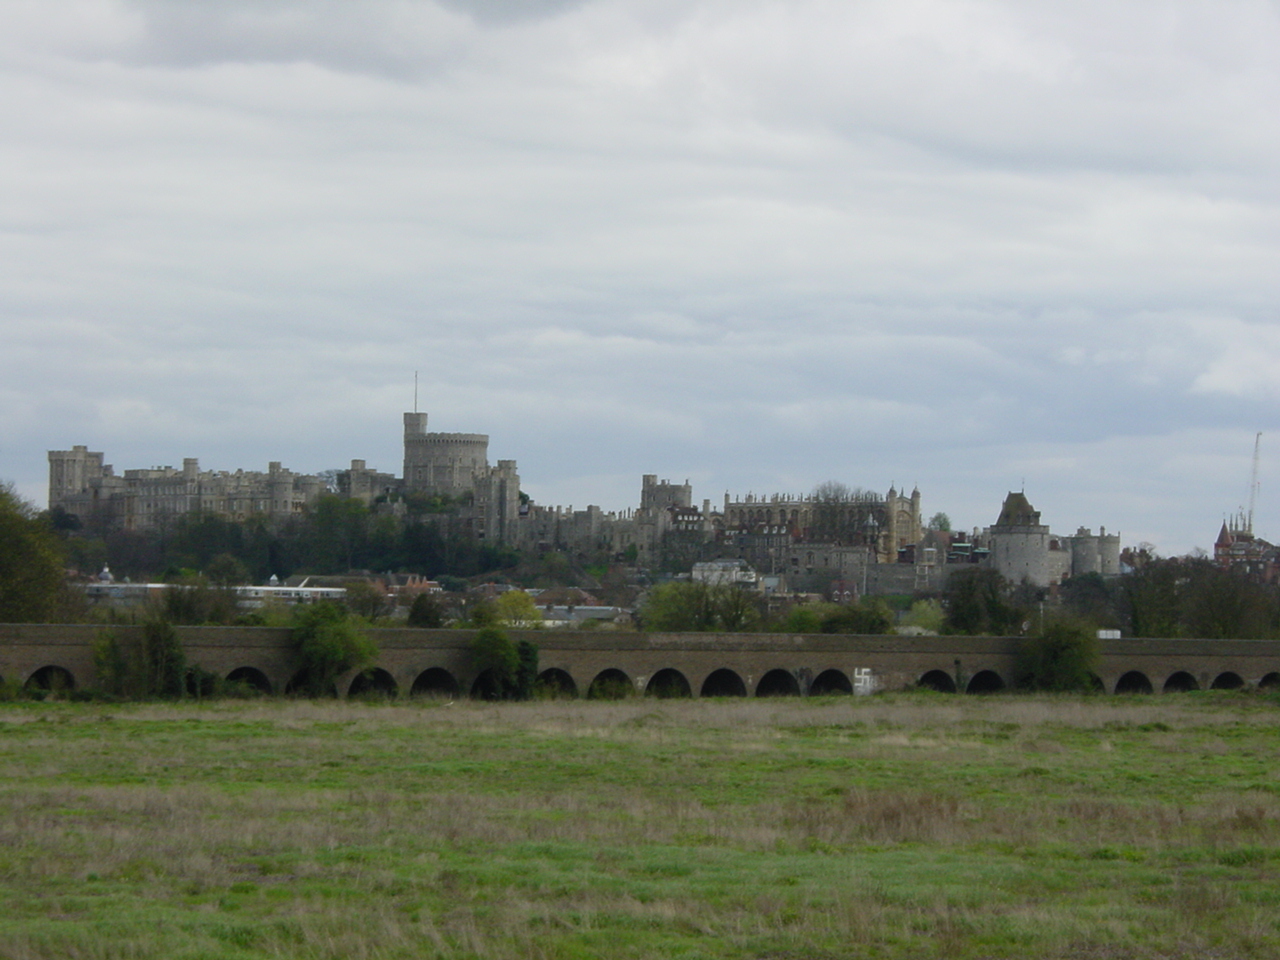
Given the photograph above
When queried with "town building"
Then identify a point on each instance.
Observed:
(1238, 549)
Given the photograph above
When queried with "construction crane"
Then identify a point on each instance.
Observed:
(1253, 485)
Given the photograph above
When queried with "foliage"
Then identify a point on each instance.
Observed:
(693, 607)
(802, 618)
(426, 612)
(517, 608)
(844, 514)
(192, 600)
(493, 653)
(870, 616)
(154, 667)
(332, 537)
(328, 644)
(364, 599)
(226, 570)
(941, 522)
(31, 572)
(526, 669)
(1063, 659)
(483, 614)
(976, 601)
(1194, 597)
(926, 615)
(1091, 597)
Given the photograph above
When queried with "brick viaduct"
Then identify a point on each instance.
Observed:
(438, 663)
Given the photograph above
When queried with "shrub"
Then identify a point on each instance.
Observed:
(327, 645)
(526, 669)
(1063, 658)
(977, 601)
(426, 612)
(688, 607)
(31, 574)
(193, 601)
(492, 652)
(926, 615)
(155, 667)
(871, 617)
(364, 599)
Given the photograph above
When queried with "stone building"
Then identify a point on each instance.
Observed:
(496, 503)
(80, 483)
(776, 534)
(443, 464)
(366, 485)
(1022, 548)
(882, 527)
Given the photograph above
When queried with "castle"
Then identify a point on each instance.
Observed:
(1022, 548)
(877, 542)
(80, 483)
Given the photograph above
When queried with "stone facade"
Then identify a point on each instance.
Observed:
(442, 464)
(1022, 548)
(82, 484)
(883, 525)
(777, 534)
(366, 485)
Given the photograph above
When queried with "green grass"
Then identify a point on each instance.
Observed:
(887, 827)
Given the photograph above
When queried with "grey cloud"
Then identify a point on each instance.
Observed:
(404, 40)
(759, 245)
(513, 11)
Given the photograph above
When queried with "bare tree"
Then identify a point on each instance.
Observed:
(844, 514)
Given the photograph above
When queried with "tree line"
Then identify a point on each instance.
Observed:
(334, 536)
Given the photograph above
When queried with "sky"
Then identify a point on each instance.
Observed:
(973, 247)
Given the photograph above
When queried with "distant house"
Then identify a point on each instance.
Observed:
(733, 573)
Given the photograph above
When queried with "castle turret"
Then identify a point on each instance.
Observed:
(446, 464)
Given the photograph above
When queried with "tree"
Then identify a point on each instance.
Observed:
(802, 618)
(1090, 597)
(736, 610)
(940, 522)
(364, 599)
(327, 645)
(496, 662)
(926, 615)
(870, 616)
(526, 669)
(155, 667)
(515, 608)
(1194, 597)
(225, 570)
(191, 600)
(844, 514)
(31, 573)
(678, 608)
(1063, 658)
(976, 602)
(426, 612)
(699, 607)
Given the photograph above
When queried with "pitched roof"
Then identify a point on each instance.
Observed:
(1018, 512)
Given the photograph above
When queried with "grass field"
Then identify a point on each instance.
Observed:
(898, 826)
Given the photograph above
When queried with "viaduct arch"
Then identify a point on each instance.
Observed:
(437, 662)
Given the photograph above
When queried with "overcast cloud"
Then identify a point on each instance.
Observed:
(758, 245)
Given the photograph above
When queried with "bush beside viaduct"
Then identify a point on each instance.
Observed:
(438, 662)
